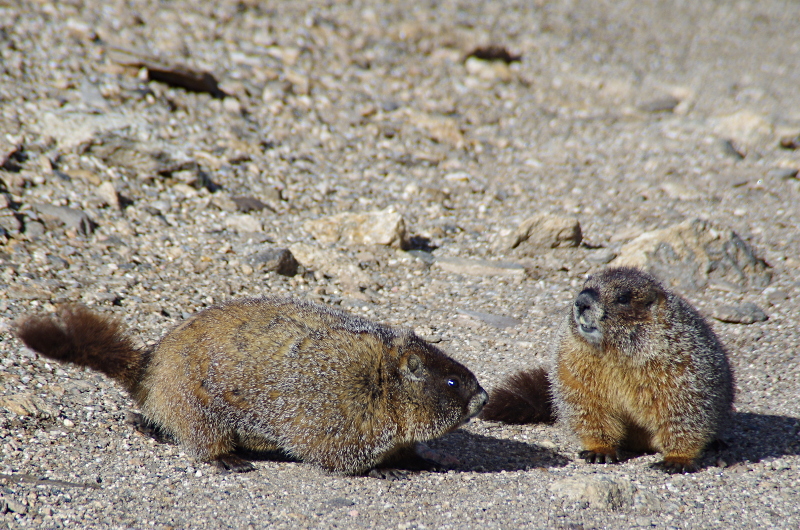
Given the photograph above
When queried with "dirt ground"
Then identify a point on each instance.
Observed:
(135, 184)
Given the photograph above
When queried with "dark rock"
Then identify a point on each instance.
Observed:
(249, 204)
(790, 142)
(279, 260)
(732, 149)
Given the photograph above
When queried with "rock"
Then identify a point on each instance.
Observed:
(249, 204)
(543, 231)
(776, 296)
(782, 173)
(16, 507)
(25, 404)
(732, 149)
(600, 492)
(438, 128)
(243, 223)
(646, 502)
(665, 103)
(147, 159)
(675, 190)
(9, 223)
(108, 194)
(479, 267)
(279, 260)
(34, 229)
(745, 127)
(488, 70)
(224, 202)
(690, 254)
(71, 128)
(30, 291)
(790, 142)
(601, 256)
(331, 263)
(746, 313)
(69, 217)
(381, 227)
(496, 321)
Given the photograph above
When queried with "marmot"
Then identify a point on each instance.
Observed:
(636, 367)
(271, 373)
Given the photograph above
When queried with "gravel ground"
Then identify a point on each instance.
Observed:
(627, 116)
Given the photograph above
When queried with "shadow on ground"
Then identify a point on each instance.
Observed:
(486, 454)
(755, 437)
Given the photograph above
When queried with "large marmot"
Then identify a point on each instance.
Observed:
(274, 373)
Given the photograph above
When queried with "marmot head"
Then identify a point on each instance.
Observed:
(614, 307)
(440, 393)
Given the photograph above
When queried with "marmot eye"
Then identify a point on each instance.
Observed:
(452, 382)
(624, 298)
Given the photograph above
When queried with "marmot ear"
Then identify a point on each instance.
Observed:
(413, 365)
(653, 296)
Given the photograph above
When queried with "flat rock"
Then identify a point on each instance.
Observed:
(69, 217)
(243, 223)
(746, 313)
(497, 321)
(543, 231)
(380, 227)
(602, 492)
(25, 404)
(479, 267)
(692, 253)
(71, 128)
(146, 158)
(782, 173)
(744, 127)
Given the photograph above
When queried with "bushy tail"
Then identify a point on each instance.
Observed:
(522, 398)
(79, 336)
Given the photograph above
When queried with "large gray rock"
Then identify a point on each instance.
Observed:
(543, 231)
(380, 227)
(695, 252)
(601, 492)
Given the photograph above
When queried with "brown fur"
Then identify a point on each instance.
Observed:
(523, 398)
(84, 338)
(637, 368)
(325, 387)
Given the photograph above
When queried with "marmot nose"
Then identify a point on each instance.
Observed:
(584, 301)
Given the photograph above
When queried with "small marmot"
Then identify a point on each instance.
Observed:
(266, 374)
(636, 367)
